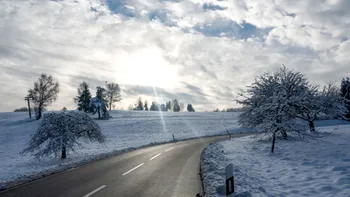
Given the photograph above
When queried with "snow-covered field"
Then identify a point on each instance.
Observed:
(318, 167)
(124, 131)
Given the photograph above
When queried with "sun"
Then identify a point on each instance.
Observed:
(148, 67)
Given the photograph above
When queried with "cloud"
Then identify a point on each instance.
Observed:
(200, 52)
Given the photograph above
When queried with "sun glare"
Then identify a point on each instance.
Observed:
(149, 68)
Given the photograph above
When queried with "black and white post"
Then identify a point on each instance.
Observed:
(230, 182)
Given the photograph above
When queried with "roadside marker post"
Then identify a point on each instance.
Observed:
(230, 182)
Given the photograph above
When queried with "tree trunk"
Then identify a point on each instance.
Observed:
(63, 153)
(39, 113)
(273, 142)
(312, 126)
(110, 103)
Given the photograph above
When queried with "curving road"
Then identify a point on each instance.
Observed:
(164, 170)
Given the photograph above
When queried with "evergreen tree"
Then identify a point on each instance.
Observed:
(154, 106)
(345, 93)
(83, 98)
(139, 104)
(190, 108)
(44, 93)
(176, 105)
(162, 107)
(146, 105)
(113, 94)
(168, 106)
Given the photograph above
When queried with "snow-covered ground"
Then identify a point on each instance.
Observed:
(318, 167)
(124, 131)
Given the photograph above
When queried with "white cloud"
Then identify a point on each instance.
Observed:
(155, 42)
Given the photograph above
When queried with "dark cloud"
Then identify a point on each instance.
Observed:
(211, 6)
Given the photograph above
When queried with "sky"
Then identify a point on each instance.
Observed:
(198, 51)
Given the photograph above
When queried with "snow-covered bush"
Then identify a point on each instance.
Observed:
(59, 133)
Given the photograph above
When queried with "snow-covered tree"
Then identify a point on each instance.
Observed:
(334, 104)
(269, 103)
(113, 94)
(83, 98)
(44, 93)
(316, 103)
(59, 133)
(97, 106)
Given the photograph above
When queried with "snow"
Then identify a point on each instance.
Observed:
(315, 167)
(124, 131)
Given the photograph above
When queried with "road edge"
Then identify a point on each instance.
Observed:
(202, 158)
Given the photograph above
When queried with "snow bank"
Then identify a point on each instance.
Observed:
(124, 131)
(319, 167)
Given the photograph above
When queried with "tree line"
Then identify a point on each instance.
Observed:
(174, 106)
(46, 90)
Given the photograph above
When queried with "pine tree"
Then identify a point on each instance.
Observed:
(176, 106)
(44, 93)
(113, 94)
(162, 107)
(154, 106)
(83, 98)
(139, 104)
(146, 105)
(190, 108)
(168, 106)
(345, 93)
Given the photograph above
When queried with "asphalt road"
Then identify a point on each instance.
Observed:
(167, 170)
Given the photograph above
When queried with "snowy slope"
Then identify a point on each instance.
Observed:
(125, 130)
(319, 167)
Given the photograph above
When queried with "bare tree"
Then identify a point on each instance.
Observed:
(44, 93)
(113, 94)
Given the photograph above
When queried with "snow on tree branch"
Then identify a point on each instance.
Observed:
(59, 132)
